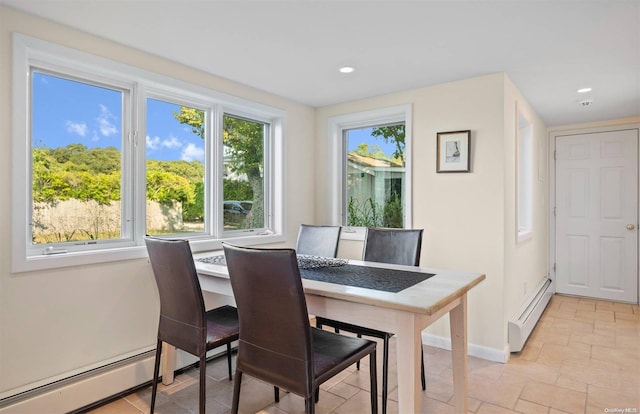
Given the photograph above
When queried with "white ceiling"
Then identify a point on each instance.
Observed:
(294, 48)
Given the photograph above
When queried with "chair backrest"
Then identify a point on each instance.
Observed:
(275, 336)
(394, 246)
(318, 240)
(182, 310)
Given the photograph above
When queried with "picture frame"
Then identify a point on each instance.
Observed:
(453, 151)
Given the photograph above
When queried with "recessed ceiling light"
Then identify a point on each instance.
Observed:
(347, 69)
(584, 90)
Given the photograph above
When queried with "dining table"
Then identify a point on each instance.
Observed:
(400, 299)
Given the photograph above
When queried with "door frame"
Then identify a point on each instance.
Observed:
(553, 134)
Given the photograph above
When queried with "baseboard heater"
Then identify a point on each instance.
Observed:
(523, 322)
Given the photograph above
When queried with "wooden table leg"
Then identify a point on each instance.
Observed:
(458, 325)
(167, 363)
(409, 344)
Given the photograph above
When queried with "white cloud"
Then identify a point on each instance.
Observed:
(156, 143)
(79, 128)
(171, 142)
(153, 143)
(104, 122)
(193, 153)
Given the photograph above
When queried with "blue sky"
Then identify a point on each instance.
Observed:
(67, 112)
(356, 136)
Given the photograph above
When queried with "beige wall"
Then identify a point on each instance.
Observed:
(468, 218)
(55, 322)
(526, 263)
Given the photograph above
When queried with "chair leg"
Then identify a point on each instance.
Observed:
(156, 372)
(276, 394)
(424, 382)
(309, 405)
(373, 377)
(358, 363)
(385, 371)
(229, 359)
(203, 381)
(235, 402)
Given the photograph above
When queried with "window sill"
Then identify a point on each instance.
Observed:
(523, 236)
(72, 259)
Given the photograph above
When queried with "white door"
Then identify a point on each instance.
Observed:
(597, 215)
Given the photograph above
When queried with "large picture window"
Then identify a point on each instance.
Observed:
(371, 180)
(112, 153)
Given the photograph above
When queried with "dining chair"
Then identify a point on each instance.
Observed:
(393, 246)
(184, 322)
(277, 344)
(318, 240)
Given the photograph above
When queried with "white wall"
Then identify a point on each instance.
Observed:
(468, 217)
(53, 323)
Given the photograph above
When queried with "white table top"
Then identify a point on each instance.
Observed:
(426, 297)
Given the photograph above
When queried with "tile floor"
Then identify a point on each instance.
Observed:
(583, 357)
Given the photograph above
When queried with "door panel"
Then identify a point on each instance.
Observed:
(596, 198)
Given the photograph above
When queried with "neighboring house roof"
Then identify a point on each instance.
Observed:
(373, 162)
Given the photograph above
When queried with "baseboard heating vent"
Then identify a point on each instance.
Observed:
(523, 322)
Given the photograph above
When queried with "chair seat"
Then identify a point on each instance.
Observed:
(222, 326)
(332, 352)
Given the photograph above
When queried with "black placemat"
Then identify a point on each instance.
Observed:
(387, 280)
(338, 271)
(305, 261)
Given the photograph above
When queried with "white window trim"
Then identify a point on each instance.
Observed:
(336, 126)
(26, 51)
(524, 178)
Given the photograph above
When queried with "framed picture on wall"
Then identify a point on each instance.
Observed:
(453, 151)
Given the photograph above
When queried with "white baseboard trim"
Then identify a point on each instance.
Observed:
(479, 351)
(77, 392)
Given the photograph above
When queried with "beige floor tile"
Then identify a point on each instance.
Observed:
(294, 404)
(602, 398)
(555, 355)
(527, 407)
(487, 408)
(563, 399)
(358, 404)
(593, 339)
(503, 395)
(117, 407)
(582, 357)
(623, 307)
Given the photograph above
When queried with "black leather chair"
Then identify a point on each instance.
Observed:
(393, 246)
(184, 322)
(318, 240)
(277, 345)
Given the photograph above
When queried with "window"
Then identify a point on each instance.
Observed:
(243, 189)
(113, 153)
(525, 178)
(175, 168)
(76, 160)
(371, 154)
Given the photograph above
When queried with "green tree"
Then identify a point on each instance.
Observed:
(244, 148)
(395, 133)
